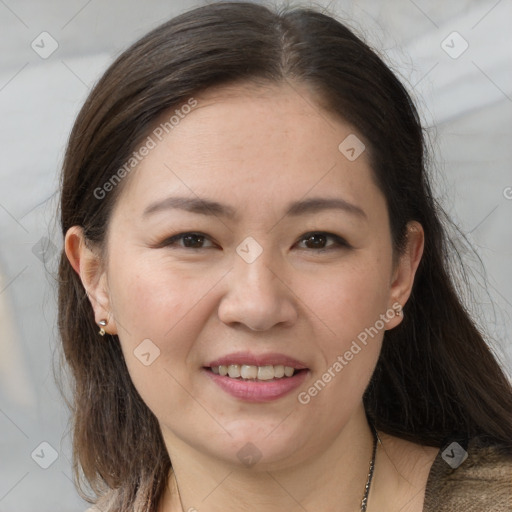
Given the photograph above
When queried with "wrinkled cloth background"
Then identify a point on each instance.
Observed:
(465, 98)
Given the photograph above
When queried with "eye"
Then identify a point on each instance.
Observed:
(190, 240)
(318, 240)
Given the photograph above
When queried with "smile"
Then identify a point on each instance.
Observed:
(251, 372)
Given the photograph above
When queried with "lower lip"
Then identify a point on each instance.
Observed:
(258, 391)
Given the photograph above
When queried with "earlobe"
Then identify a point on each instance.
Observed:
(403, 278)
(87, 264)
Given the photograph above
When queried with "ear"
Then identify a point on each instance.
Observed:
(403, 275)
(87, 264)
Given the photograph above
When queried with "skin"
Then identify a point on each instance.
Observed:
(257, 150)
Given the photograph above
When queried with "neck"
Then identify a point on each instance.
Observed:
(333, 479)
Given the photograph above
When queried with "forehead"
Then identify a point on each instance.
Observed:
(248, 143)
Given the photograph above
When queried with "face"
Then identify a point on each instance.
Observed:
(277, 254)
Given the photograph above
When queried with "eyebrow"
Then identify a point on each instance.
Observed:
(210, 207)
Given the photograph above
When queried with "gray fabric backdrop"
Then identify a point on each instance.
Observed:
(52, 53)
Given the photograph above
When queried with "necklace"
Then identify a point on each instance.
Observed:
(364, 502)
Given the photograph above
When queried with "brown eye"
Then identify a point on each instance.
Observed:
(193, 241)
(188, 241)
(319, 241)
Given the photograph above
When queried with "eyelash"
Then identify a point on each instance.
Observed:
(339, 242)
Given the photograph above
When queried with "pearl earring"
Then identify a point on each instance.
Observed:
(102, 323)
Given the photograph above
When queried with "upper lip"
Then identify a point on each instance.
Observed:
(270, 359)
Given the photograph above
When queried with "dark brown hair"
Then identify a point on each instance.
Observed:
(435, 375)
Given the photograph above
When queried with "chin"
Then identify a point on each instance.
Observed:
(262, 445)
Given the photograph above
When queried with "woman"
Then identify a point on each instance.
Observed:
(255, 300)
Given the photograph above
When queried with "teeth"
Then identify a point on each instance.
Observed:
(265, 372)
(234, 371)
(279, 371)
(288, 371)
(246, 371)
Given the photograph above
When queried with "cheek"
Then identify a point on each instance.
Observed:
(169, 305)
(350, 300)
(350, 306)
(159, 315)
(150, 299)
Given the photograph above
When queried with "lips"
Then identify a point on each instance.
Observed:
(254, 389)
(249, 359)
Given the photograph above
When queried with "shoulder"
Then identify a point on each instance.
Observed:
(474, 476)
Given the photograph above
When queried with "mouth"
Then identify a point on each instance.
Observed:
(249, 372)
(256, 378)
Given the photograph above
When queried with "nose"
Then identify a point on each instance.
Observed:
(257, 296)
